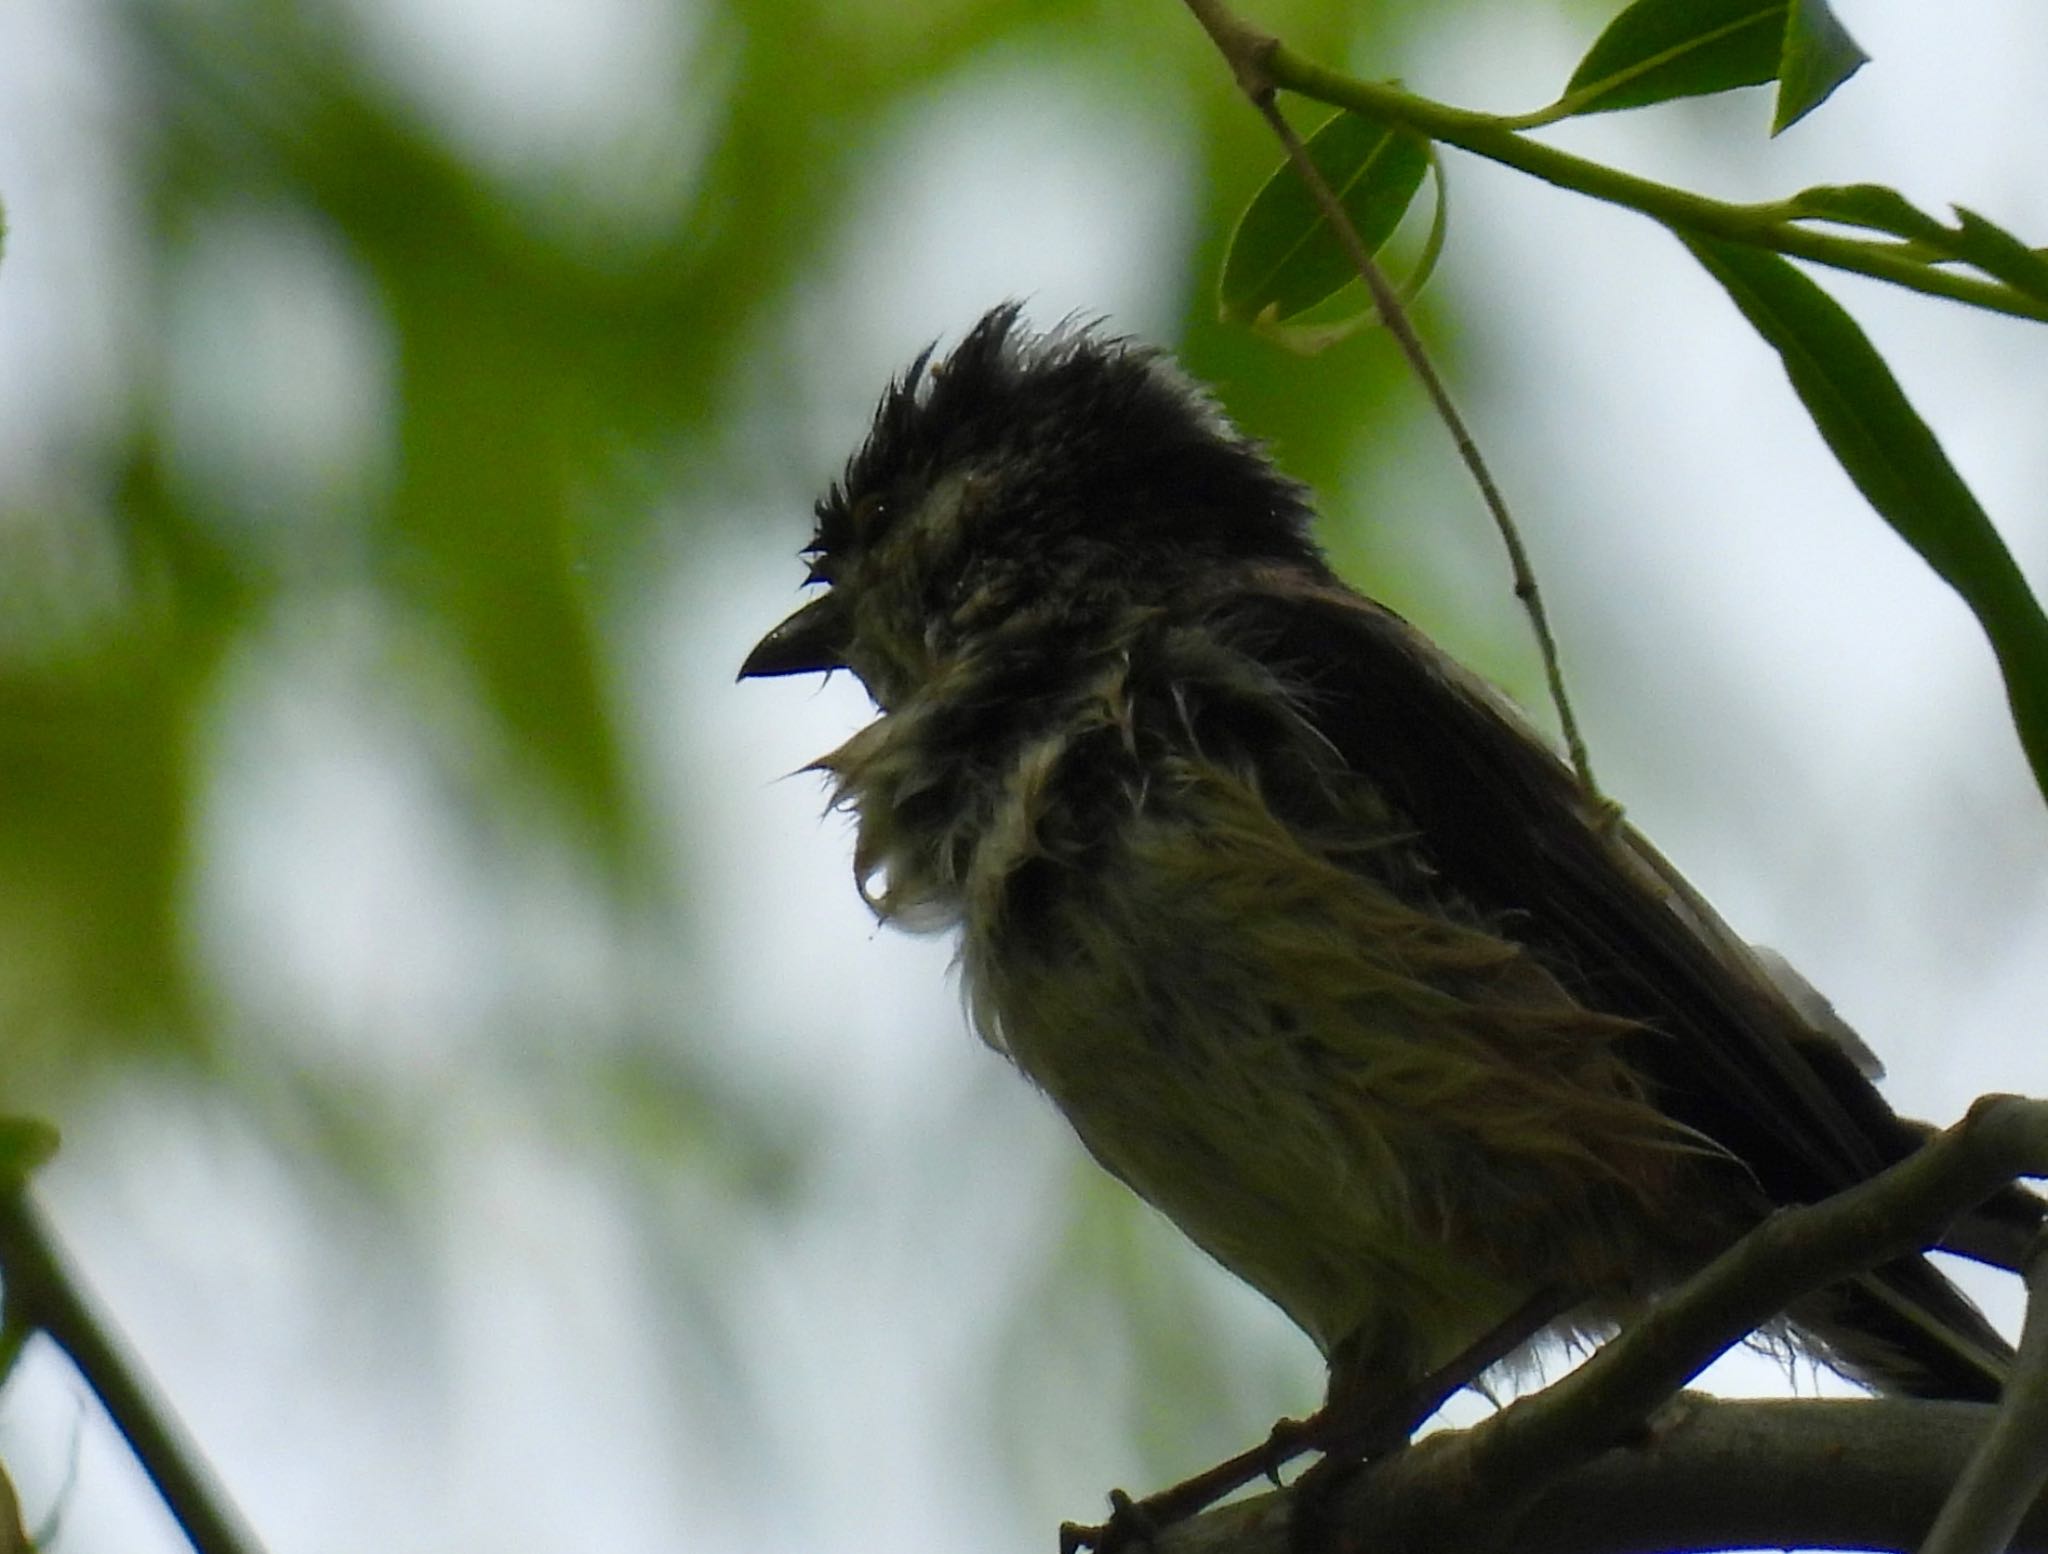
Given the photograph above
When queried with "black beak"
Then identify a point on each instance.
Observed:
(810, 642)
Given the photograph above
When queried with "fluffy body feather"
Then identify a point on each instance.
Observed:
(1312, 942)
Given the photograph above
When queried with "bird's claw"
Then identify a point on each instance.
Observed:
(1288, 1439)
(1129, 1526)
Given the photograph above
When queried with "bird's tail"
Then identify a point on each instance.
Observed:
(1904, 1328)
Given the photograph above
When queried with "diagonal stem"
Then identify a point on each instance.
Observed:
(44, 1293)
(1250, 54)
(2010, 1465)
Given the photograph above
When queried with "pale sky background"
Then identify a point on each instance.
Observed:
(1786, 700)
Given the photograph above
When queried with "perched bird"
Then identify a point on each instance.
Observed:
(1314, 943)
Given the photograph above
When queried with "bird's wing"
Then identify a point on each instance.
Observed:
(1512, 832)
(1726, 1050)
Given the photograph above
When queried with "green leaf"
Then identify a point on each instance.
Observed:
(1819, 55)
(1657, 50)
(1998, 253)
(1313, 333)
(1439, 223)
(1897, 463)
(1974, 240)
(1874, 206)
(1284, 258)
(15, 1332)
(27, 1144)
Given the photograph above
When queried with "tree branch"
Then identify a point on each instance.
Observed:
(1712, 1474)
(1581, 1438)
(43, 1293)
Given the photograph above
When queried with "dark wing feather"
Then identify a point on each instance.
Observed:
(1726, 1051)
(1510, 830)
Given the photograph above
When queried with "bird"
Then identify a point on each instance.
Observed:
(1314, 942)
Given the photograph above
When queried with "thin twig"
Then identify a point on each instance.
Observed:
(1248, 52)
(43, 1291)
(2010, 1465)
(1715, 1473)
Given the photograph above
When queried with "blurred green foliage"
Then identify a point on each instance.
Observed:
(541, 375)
(400, 384)
(378, 375)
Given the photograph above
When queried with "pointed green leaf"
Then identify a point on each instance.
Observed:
(1974, 240)
(1998, 253)
(1819, 55)
(27, 1144)
(1283, 257)
(1896, 462)
(1874, 206)
(1657, 50)
(1311, 336)
(15, 1332)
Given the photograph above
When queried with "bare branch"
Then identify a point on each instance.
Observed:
(45, 1294)
(1712, 1474)
(1601, 1424)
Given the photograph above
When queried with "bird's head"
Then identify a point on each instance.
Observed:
(1026, 484)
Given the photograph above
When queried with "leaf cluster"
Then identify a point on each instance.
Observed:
(1286, 261)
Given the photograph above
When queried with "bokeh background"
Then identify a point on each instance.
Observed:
(487, 1106)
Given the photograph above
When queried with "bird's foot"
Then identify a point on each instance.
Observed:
(1313, 1525)
(1130, 1526)
(1133, 1524)
(1288, 1439)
